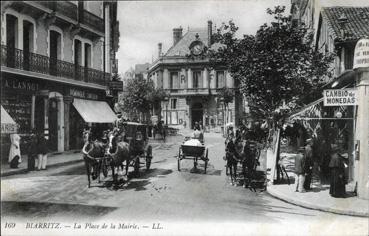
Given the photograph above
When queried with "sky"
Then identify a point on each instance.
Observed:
(143, 24)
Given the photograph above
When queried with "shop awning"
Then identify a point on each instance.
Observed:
(94, 111)
(8, 125)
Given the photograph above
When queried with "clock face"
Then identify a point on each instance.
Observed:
(197, 49)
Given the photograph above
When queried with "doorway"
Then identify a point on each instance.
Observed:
(53, 124)
(55, 51)
(196, 114)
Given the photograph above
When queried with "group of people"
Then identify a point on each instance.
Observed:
(37, 151)
(304, 165)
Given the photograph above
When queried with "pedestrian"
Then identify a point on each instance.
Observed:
(337, 174)
(32, 151)
(42, 150)
(300, 170)
(309, 163)
(14, 152)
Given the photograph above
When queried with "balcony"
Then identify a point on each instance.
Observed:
(189, 92)
(18, 59)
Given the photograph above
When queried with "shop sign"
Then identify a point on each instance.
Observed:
(8, 128)
(340, 97)
(82, 94)
(22, 85)
(361, 55)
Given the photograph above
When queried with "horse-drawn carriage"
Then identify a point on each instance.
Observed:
(193, 149)
(242, 160)
(128, 144)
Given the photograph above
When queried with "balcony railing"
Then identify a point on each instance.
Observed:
(93, 21)
(19, 59)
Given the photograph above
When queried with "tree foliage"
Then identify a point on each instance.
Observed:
(226, 94)
(278, 64)
(142, 96)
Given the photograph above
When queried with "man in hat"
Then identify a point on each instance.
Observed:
(337, 173)
(300, 170)
(308, 164)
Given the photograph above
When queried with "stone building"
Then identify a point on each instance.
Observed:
(56, 64)
(193, 85)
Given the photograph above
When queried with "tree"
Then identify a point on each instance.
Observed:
(156, 96)
(278, 64)
(136, 101)
(226, 95)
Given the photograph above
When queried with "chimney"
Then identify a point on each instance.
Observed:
(210, 32)
(177, 35)
(160, 47)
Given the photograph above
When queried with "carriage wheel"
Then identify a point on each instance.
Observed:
(179, 158)
(104, 168)
(206, 159)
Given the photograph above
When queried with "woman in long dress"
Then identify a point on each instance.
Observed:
(337, 177)
(14, 153)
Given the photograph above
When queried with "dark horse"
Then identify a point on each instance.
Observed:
(93, 153)
(159, 129)
(232, 159)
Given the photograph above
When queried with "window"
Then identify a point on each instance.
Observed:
(197, 79)
(220, 79)
(173, 103)
(174, 82)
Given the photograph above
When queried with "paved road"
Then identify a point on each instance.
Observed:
(171, 202)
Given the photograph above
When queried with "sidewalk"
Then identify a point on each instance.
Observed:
(73, 156)
(54, 159)
(318, 198)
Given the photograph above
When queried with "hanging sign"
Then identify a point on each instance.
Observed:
(340, 97)
(361, 55)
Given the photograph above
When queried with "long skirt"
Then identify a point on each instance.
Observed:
(337, 183)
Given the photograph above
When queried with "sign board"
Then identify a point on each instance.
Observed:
(340, 97)
(361, 55)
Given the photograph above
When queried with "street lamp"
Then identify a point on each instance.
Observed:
(166, 101)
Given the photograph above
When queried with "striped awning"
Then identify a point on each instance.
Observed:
(8, 125)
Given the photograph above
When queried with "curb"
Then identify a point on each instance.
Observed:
(25, 170)
(308, 205)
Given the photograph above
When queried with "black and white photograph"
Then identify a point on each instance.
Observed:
(174, 117)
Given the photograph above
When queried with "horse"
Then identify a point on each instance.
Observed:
(232, 160)
(249, 163)
(92, 151)
(159, 129)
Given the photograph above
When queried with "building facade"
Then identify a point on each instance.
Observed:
(53, 53)
(336, 30)
(184, 72)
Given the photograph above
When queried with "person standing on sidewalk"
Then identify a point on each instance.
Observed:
(300, 170)
(14, 152)
(42, 150)
(308, 164)
(337, 174)
(32, 151)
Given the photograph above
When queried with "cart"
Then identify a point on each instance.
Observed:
(193, 153)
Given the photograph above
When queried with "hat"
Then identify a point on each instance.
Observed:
(309, 140)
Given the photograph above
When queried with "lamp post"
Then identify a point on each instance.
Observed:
(166, 101)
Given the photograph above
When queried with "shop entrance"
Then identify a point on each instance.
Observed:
(196, 113)
(53, 124)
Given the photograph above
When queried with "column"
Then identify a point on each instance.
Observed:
(189, 78)
(206, 78)
(67, 103)
(60, 105)
(213, 81)
(46, 117)
(166, 79)
(362, 134)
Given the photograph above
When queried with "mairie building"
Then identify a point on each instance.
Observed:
(193, 85)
